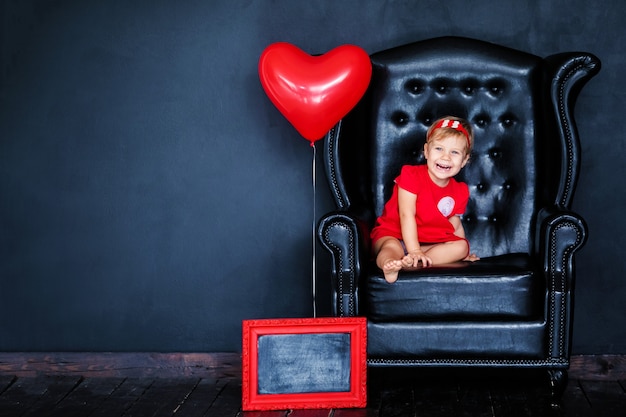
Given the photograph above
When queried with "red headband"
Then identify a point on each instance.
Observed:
(452, 124)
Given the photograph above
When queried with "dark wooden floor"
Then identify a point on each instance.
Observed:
(98, 392)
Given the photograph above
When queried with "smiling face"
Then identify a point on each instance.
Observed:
(445, 156)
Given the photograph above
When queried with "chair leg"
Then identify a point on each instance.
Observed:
(558, 383)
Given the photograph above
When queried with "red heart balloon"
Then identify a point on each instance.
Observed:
(314, 92)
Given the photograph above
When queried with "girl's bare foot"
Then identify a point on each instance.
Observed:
(390, 269)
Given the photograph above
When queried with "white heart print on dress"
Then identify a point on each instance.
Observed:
(446, 205)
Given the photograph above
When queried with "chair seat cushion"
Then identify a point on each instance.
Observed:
(501, 287)
(436, 341)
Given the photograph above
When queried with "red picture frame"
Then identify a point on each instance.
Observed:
(274, 340)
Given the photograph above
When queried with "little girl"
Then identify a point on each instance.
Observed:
(420, 223)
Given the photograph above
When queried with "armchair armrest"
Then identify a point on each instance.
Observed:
(344, 235)
(561, 233)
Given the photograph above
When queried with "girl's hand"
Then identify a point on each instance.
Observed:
(413, 258)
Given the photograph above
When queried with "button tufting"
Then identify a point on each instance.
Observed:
(400, 118)
(481, 186)
(427, 119)
(495, 87)
(481, 120)
(493, 218)
(507, 186)
(495, 153)
(442, 85)
(507, 120)
(415, 86)
(470, 86)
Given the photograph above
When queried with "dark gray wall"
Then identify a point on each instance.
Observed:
(151, 197)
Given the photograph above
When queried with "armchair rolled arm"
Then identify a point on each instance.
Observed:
(561, 234)
(345, 237)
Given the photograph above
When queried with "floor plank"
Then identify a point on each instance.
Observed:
(200, 398)
(311, 413)
(162, 397)
(396, 402)
(86, 398)
(505, 402)
(57, 389)
(123, 397)
(435, 396)
(21, 394)
(607, 398)
(273, 413)
(574, 402)
(355, 412)
(392, 395)
(228, 402)
(5, 382)
(473, 401)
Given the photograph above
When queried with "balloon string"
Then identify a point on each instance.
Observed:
(314, 272)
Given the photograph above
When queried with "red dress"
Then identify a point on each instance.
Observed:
(434, 206)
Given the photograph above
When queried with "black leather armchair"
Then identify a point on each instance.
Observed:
(513, 308)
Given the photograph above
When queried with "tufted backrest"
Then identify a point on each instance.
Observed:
(516, 165)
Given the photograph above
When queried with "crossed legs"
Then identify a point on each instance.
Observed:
(391, 257)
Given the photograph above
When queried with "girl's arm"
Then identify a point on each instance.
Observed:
(406, 206)
(460, 232)
(458, 226)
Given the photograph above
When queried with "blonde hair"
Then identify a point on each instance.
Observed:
(451, 125)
